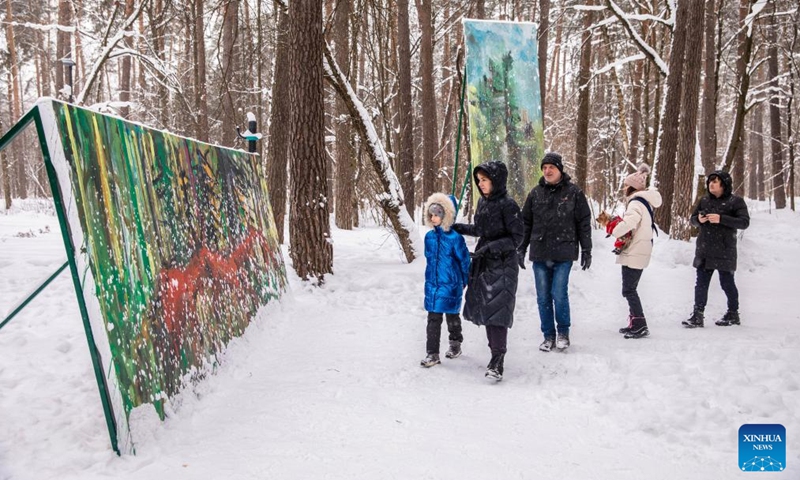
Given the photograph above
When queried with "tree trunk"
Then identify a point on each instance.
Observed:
(756, 152)
(668, 139)
(708, 135)
(737, 172)
(743, 82)
(552, 81)
(44, 80)
(789, 127)
(309, 229)
(63, 43)
(544, 35)
(737, 168)
(480, 9)
(405, 151)
(582, 125)
(19, 158)
(280, 119)
(776, 145)
(230, 34)
(617, 85)
(636, 113)
(345, 212)
(430, 134)
(200, 97)
(5, 171)
(449, 98)
(687, 136)
(157, 30)
(125, 74)
(646, 137)
(80, 60)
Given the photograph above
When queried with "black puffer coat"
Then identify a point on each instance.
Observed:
(492, 291)
(557, 219)
(716, 243)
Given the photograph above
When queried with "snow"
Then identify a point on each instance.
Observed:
(748, 21)
(326, 384)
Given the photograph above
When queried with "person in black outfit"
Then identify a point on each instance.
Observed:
(557, 220)
(492, 287)
(718, 215)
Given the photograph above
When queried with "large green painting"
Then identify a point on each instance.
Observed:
(505, 108)
(178, 246)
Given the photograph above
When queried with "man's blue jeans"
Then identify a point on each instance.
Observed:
(552, 280)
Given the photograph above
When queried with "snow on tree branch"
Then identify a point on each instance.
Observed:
(43, 28)
(648, 51)
(589, 8)
(391, 200)
(619, 63)
(750, 19)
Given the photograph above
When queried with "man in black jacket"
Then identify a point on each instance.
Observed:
(718, 215)
(557, 220)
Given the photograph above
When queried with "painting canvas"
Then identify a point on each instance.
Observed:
(504, 100)
(176, 249)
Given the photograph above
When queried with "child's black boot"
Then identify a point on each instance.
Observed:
(454, 351)
(431, 360)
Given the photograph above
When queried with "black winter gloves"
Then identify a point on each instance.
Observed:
(521, 259)
(479, 252)
(586, 259)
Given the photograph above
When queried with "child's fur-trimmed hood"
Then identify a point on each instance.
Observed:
(448, 204)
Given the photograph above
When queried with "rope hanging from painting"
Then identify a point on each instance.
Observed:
(458, 144)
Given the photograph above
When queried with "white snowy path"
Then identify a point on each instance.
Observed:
(327, 384)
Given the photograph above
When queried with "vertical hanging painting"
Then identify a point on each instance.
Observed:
(175, 246)
(505, 109)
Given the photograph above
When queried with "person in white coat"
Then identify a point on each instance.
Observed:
(635, 257)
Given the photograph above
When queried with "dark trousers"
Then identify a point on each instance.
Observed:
(630, 282)
(435, 330)
(498, 338)
(726, 281)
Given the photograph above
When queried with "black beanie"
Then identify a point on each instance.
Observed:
(553, 159)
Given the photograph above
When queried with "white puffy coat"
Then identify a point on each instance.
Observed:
(637, 219)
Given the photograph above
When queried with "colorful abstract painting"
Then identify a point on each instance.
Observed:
(505, 109)
(178, 243)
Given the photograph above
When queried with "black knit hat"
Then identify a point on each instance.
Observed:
(553, 159)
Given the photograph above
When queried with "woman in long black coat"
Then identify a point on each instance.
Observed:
(492, 289)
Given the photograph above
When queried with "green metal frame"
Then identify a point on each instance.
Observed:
(34, 115)
(458, 144)
(33, 295)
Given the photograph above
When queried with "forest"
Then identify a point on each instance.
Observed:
(359, 100)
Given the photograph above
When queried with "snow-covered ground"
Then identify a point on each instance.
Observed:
(327, 384)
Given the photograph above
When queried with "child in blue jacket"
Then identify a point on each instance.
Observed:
(446, 276)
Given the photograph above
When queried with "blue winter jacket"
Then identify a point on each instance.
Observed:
(447, 271)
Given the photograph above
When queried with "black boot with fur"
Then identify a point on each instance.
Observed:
(627, 329)
(638, 328)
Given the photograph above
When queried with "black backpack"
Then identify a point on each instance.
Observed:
(650, 211)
